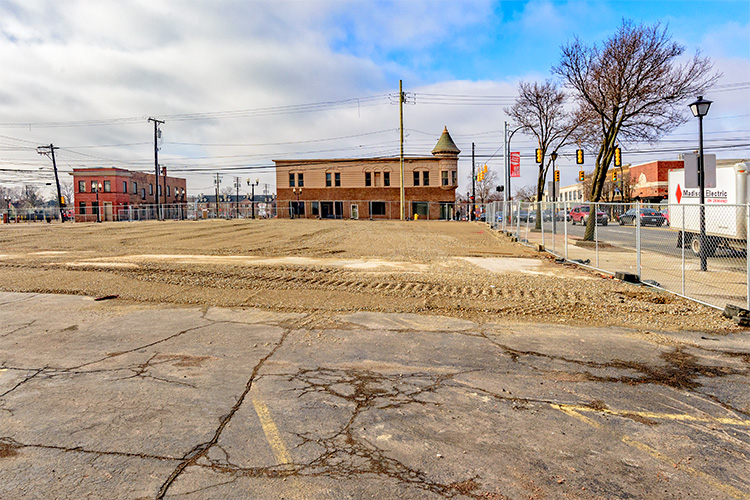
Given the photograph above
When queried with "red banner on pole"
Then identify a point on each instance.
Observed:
(515, 164)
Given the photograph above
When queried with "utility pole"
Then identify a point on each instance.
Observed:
(164, 174)
(217, 181)
(156, 161)
(50, 150)
(401, 155)
(473, 185)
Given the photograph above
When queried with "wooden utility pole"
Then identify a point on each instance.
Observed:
(401, 156)
(156, 162)
(52, 149)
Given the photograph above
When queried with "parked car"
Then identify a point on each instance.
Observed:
(525, 216)
(648, 217)
(580, 215)
(665, 213)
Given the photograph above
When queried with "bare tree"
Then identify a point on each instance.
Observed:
(487, 187)
(31, 197)
(539, 110)
(630, 89)
(67, 192)
(525, 193)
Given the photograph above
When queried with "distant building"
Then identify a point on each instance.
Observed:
(370, 187)
(121, 190)
(649, 181)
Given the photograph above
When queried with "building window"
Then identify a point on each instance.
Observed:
(107, 186)
(377, 208)
(291, 180)
(143, 193)
(315, 208)
(81, 186)
(425, 178)
(416, 178)
(454, 178)
(135, 188)
(82, 206)
(300, 180)
(444, 177)
(337, 179)
(386, 179)
(328, 179)
(368, 179)
(168, 191)
(150, 189)
(124, 186)
(377, 179)
(159, 186)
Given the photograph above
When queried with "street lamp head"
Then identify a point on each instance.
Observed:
(257, 181)
(553, 155)
(700, 107)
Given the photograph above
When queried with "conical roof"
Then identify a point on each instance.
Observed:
(445, 145)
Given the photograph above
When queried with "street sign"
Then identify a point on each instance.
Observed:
(690, 161)
(515, 164)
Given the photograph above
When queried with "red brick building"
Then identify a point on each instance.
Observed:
(370, 187)
(649, 181)
(121, 191)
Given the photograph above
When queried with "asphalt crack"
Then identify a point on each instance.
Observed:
(202, 449)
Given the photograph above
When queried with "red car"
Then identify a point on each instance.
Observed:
(580, 215)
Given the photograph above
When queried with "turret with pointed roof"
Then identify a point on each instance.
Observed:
(445, 145)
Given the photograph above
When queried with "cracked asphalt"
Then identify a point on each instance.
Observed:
(126, 400)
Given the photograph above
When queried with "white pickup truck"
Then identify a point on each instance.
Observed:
(725, 213)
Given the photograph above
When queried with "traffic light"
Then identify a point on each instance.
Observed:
(614, 176)
(557, 176)
(581, 176)
(484, 170)
(539, 156)
(618, 157)
(579, 156)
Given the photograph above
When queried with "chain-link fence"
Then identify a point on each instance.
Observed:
(346, 209)
(699, 252)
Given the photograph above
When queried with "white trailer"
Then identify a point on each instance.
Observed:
(725, 212)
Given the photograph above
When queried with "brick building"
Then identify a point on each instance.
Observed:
(121, 190)
(649, 181)
(370, 187)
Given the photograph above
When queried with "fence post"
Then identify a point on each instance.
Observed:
(682, 245)
(596, 231)
(554, 228)
(565, 226)
(747, 247)
(638, 238)
(540, 210)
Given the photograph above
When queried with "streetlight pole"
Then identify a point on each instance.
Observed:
(507, 159)
(297, 193)
(252, 196)
(98, 207)
(700, 109)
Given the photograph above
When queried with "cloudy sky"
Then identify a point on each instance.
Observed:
(239, 83)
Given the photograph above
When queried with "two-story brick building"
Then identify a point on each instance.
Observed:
(370, 187)
(121, 191)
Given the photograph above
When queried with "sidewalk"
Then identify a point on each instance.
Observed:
(724, 283)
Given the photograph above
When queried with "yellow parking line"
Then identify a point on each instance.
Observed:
(660, 416)
(573, 410)
(269, 428)
(568, 410)
(730, 490)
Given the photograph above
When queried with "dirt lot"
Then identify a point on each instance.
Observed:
(454, 269)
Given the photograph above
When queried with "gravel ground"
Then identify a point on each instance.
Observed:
(329, 267)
